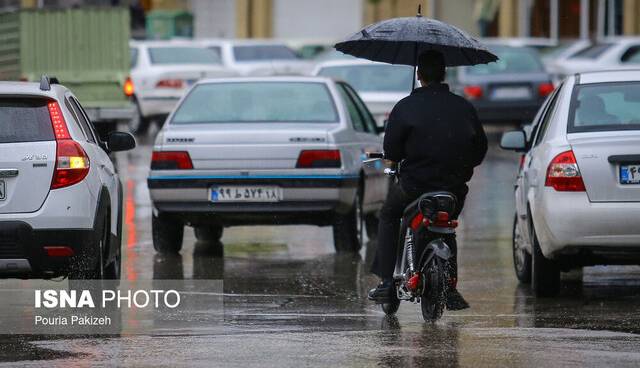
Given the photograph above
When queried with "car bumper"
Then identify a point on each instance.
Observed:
(22, 250)
(304, 199)
(522, 111)
(159, 104)
(567, 223)
(103, 114)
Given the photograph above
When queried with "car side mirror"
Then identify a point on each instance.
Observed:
(515, 141)
(120, 141)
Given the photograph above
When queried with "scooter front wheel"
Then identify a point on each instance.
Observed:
(392, 306)
(434, 291)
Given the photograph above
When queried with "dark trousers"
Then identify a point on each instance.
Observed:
(389, 229)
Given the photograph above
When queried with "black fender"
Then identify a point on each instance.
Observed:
(435, 248)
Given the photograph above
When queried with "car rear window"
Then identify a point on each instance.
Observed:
(605, 107)
(183, 55)
(263, 52)
(24, 120)
(372, 78)
(511, 60)
(592, 52)
(257, 102)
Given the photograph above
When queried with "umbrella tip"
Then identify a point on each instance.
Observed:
(419, 11)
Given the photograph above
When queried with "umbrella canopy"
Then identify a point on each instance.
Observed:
(401, 40)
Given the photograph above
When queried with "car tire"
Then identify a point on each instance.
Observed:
(208, 233)
(521, 258)
(138, 124)
(371, 223)
(348, 228)
(545, 273)
(167, 233)
(97, 272)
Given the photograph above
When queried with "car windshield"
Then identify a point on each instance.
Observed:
(24, 120)
(511, 60)
(263, 52)
(605, 107)
(183, 55)
(592, 52)
(257, 102)
(372, 78)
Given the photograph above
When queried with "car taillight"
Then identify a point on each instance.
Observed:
(319, 159)
(563, 174)
(72, 162)
(545, 89)
(127, 88)
(170, 83)
(473, 92)
(171, 160)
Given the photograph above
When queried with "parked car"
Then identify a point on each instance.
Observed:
(509, 90)
(161, 71)
(259, 57)
(60, 195)
(276, 150)
(333, 54)
(612, 53)
(578, 187)
(555, 58)
(379, 85)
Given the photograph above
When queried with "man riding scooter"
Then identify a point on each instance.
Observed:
(436, 139)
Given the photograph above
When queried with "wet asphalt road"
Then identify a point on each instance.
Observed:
(289, 300)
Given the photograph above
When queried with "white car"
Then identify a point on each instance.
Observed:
(379, 85)
(556, 57)
(614, 53)
(60, 196)
(258, 57)
(268, 150)
(578, 187)
(161, 71)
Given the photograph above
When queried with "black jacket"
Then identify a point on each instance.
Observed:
(437, 137)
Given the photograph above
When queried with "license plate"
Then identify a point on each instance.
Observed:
(3, 191)
(511, 93)
(245, 194)
(629, 174)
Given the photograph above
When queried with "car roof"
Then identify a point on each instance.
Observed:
(608, 76)
(347, 62)
(31, 89)
(241, 42)
(279, 79)
(173, 42)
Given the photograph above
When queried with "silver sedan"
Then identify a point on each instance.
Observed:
(578, 188)
(286, 150)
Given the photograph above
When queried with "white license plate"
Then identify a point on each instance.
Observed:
(3, 191)
(511, 93)
(245, 194)
(629, 174)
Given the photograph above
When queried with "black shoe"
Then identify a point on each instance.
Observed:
(382, 293)
(455, 301)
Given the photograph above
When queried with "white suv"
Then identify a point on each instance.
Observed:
(60, 196)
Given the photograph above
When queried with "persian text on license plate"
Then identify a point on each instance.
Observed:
(245, 194)
(511, 93)
(630, 174)
(3, 191)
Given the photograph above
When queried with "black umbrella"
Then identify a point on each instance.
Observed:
(401, 40)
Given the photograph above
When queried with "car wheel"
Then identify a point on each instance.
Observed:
(208, 233)
(371, 225)
(167, 233)
(113, 270)
(545, 275)
(97, 272)
(521, 257)
(348, 228)
(138, 124)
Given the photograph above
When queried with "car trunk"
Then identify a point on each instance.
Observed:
(600, 156)
(190, 74)
(27, 154)
(245, 146)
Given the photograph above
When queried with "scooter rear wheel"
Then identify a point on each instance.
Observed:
(434, 292)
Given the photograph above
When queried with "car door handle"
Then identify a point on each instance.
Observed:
(8, 173)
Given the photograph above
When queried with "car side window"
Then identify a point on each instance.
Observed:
(545, 121)
(632, 55)
(369, 121)
(84, 121)
(356, 118)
